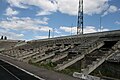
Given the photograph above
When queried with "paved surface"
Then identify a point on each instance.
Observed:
(40, 72)
(9, 72)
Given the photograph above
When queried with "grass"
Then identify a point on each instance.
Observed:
(48, 65)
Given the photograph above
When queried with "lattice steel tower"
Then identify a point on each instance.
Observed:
(80, 18)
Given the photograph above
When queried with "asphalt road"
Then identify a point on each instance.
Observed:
(9, 72)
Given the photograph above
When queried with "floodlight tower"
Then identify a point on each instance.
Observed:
(80, 18)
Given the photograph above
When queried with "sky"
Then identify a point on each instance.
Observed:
(32, 19)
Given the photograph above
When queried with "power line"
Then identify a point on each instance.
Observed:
(71, 28)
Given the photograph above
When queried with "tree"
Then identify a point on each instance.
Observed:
(5, 38)
(1, 37)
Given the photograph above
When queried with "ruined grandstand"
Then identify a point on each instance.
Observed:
(86, 54)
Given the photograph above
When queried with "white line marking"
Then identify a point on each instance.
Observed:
(21, 68)
(10, 72)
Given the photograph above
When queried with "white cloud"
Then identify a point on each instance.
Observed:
(16, 3)
(117, 22)
(41, 37)
(70, 7)
(27, 23)
(45, 19)
(11, 35)
(45, 37)
(111, 9)
(10, 12)
(90, 6)
(45, 28)
(95, 6)
(90, 29)
(46, 6)
(41, 13)
(87, 29)
(69, 29)
(56, 31)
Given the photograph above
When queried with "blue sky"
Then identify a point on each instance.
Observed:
(32, 19)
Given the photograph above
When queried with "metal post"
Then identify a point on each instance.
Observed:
(49, 34)
(71, 29)
(100, 23)
(80, 18)
(53, 32)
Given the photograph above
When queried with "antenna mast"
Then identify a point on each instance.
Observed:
(80, 18)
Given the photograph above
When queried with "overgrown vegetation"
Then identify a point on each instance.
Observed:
(47, 65)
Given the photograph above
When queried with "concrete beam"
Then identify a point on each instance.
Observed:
(93, 66)
(59, 57)
(27, 56)
(44, 57)
(97, 63)
(66, 64)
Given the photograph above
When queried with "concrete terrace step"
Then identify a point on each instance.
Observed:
(46, 56)
(64, 49)
(69, 62)
(59, 57)
(27, 56)
(25, 53)
(38, 56)
(20, 44)
(93, 66)
(59, 54)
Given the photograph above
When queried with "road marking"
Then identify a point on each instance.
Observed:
(10, 72)
(20, 68)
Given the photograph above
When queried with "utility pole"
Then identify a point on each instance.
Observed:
(49, 34)
(80, 18)
(71, 29)
(100, 23)
(53, 32)
(101, 18)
